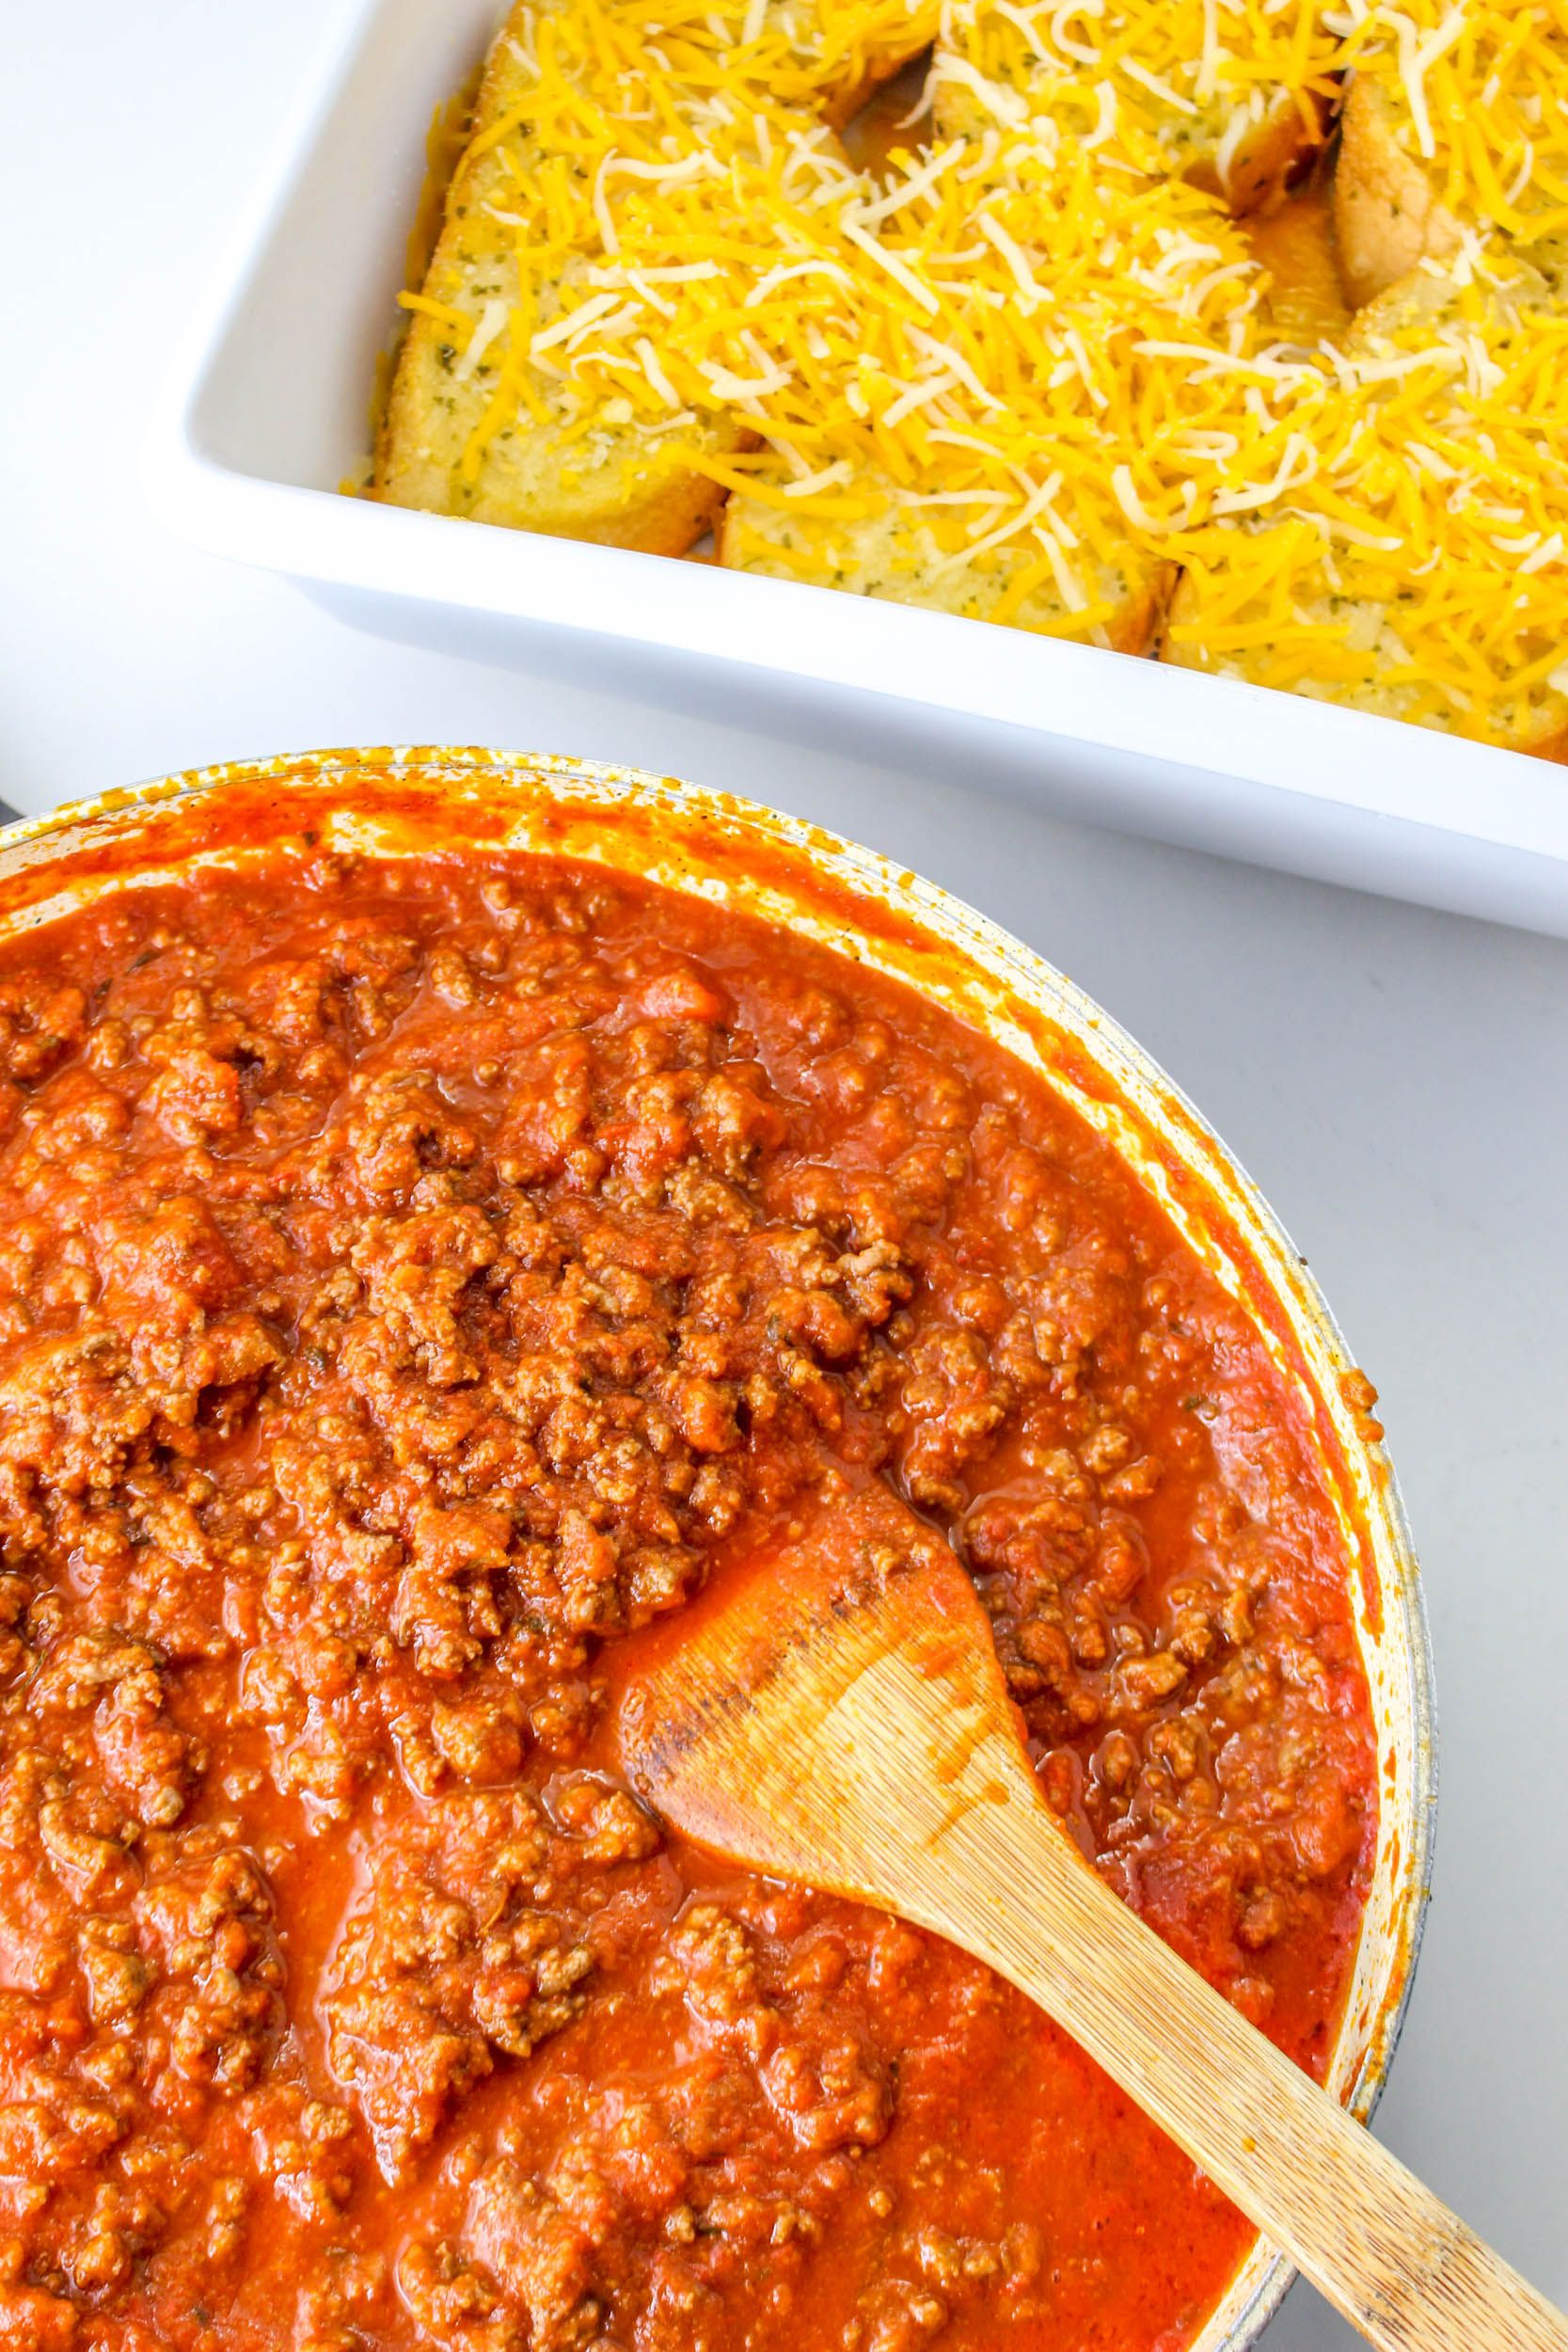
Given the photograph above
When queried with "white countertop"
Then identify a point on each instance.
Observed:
(1397, 1081)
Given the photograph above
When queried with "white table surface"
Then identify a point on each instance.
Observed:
(1396, 1080)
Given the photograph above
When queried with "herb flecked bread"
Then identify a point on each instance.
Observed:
(1074, 357)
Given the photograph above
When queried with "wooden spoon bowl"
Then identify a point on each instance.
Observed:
(833, 1712)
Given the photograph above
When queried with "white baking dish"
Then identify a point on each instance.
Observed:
(268, 412)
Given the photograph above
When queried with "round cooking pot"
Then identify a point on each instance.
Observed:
(394, 803)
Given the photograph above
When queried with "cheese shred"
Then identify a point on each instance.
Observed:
(1028, 374)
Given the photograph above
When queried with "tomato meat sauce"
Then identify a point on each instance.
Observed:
(416, 1277)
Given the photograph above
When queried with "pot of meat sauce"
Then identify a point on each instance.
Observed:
(607, 2095)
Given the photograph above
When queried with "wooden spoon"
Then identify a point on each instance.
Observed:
(834, 1712)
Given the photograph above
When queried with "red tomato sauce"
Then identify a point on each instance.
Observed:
(414, 1279)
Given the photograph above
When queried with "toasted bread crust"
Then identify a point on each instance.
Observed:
(1259, 174)
(842, 104)
(1140, 628)
(1386, 216)
(610, 488)
(1295, 245)
(880, 557)
(1544, 737)
(611, 494)
(612, 508)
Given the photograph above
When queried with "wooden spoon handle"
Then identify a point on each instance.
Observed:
(1392, 2258)
(840, 1717)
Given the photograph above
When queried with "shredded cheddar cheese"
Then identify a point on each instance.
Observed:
(1159, 89)
(1031, 372)
(1477, 90)
(1421, 570)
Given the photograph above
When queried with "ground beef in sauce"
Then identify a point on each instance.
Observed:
(413, 1278)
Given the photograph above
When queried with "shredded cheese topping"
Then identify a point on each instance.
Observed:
(1026, 372)
(1477, 89)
